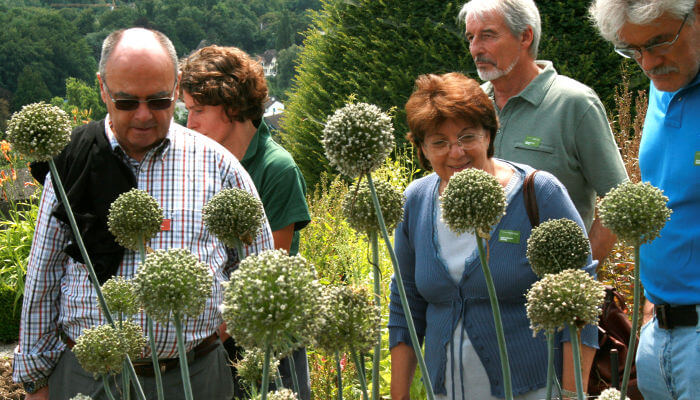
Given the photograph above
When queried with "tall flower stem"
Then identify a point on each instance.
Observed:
(635, 324)
(293, 372)
(340, 375)
(184, 367)
(108, 391)
(278, 380)
(360, 374)
(402, 293)
(500, 336)
(152, 338)
(574, 332)
(377, 356)
(91, 270)
(550, 363)
(265, 386)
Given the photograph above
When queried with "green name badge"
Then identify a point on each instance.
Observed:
(697, 158)
(507, 236)
(532, 141)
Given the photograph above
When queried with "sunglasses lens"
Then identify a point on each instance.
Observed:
(159, 104)
(126, 105)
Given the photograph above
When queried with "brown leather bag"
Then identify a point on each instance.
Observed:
(613, 328)
(613, 333)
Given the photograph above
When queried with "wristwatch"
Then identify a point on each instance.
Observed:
(33, 387)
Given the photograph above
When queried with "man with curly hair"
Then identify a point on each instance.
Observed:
(225, 92)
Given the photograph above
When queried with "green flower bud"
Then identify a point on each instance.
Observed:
(234, 215)
(173, 282)
(357, 138)
(556, 245)
(272, 300)
(103, 349)
(571, 297)
(249, 368)
(39, 131)
(351, 322)
(358, 207)
(120, 296)
(472, 201)
(133, 217)
(611, 394)
(635, 212)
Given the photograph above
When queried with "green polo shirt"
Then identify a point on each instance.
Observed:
(279, 182)
(559, 125)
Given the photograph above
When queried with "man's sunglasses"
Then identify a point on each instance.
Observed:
(132, 104)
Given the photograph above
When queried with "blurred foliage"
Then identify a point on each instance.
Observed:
(626, 122)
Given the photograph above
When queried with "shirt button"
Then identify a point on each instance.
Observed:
(680, 98)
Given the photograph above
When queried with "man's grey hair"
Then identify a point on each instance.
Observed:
(111, 42)
(518, 15)
(610, 15)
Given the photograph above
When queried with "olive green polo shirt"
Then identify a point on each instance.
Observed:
(559, 125)
(279, 182)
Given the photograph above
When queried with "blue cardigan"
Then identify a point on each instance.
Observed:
(437, 303)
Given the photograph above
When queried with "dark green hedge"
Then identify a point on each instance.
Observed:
(9, 314)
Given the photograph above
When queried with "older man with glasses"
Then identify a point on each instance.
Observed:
(663, 37)
(136, 145)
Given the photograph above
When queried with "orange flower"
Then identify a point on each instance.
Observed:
(14, 174)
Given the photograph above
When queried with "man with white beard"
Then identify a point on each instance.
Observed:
(548, 121)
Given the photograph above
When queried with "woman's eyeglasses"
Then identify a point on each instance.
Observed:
(132, 104)
(442, 147)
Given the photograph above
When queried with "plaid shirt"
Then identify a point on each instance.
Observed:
(181, 173)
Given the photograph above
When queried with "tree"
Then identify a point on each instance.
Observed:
(286, 62)
(79, 94)
(373, 50)
(48, 43)
(30, 88)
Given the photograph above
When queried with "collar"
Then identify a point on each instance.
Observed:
(160, 149)
(261, 135)
(536, 90)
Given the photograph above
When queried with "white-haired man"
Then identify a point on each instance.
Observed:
(663, 37)
(548, 121)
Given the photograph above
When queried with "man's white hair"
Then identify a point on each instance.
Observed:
(518, 15)
(610, 15)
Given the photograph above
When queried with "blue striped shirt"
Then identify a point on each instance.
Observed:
(181, 173)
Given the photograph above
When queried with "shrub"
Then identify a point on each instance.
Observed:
(9, 315)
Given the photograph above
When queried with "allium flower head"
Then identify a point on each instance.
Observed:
(81, 396)
(351, 322)
(250, 367)
(39, 131)
(102, 350)
(357, 138)
(610, 394)
(358, 207)
(173, 282)
(135, 215)
(571, 297)
(272, 300)
(234, 215)
(282, 394)
(473, 200)
(556, 245)
(635, 212)
(120, 296)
